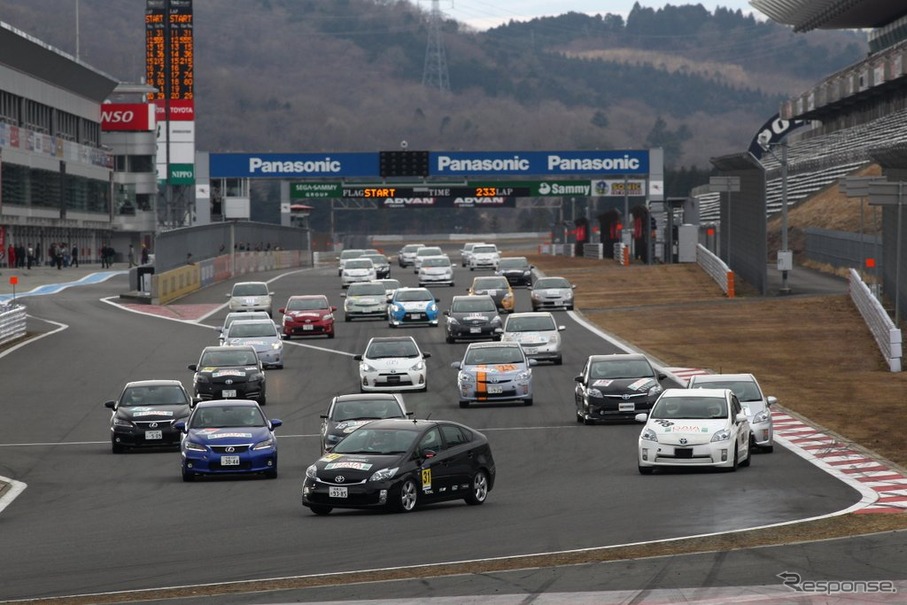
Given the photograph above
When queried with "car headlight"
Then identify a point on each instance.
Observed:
(762, 416)
(418, 367)
(311, 472)
(655, 390)
(257, 377)
(594, 393)
(384, 474)
(264, 445)
(722, 435)
(287, 319)
(452, 321)
(366, 368)
(332, 438)
(432, 308)
(496, 321)
(535, 295)
(201, 379)
(122, 422)
(277, 345)
(648, 435)
(196, 447)
(329, 317)
(524, 375)
(397, 308)
(465, 378)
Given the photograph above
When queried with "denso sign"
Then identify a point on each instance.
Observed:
(132, 117)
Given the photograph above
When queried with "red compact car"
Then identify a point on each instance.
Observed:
(310, 315)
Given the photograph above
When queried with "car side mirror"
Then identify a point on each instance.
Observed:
(228, 294)
(357, 357)
(410, 414)
(429, 454)
(771, 400)
(662, 376)
(282, 310)
(276, 422)
(324, 416)
(740, 418)
(561, 328)
(343, 295)
(110, 404)
(641, 417)
(573, 286)
(533, 362)
(446, 312)
(180, 425)
(193, 367)
(425, 355)
(437, 300)
(578, 378)
(455, 364)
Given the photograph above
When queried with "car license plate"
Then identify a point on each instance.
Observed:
(415, 315)
(308, 327)
(229, 460)
(495, 389)
(337, 492)
(475, 330)
(228, 393)
(626, 407)
(150, 435)
(683, 452)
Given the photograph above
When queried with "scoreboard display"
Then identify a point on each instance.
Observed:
(169, 49)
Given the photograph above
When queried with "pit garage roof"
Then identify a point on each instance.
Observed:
(29, 55)
(805, 15)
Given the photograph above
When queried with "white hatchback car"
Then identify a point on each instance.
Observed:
(484, 256)
(537, 333)
(260, 334)
(357, 270)
(694, 427)
(756, 405)
(436, 270)
(423, 252)
(250, 296)
(392, 363)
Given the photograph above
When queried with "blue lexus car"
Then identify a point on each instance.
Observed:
(226, 437)
(412, 306)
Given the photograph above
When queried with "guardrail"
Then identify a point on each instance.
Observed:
(594, 251)
(716, 268)
(622, 254)
(12, 322)
(886, 334)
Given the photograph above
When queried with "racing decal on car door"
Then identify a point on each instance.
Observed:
(426, 479)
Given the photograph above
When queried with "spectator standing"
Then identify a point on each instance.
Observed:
(11, 256)
(38, 253)
(74, 258)
(52, 255)
(58, 259)
(29, 256)
(131, 256)
(145, 258)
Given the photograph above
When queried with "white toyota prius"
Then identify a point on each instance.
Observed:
(694, 427)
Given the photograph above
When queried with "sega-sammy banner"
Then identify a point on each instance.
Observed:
(293, 165)
(526, 163)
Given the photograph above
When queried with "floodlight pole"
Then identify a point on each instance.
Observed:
(785, 288)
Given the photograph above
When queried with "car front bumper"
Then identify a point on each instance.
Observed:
(718, 454)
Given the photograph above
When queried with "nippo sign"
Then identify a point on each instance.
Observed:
(130, 117)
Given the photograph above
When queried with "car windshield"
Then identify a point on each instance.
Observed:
(690, 408)
(228, 321)
(307, 304)
(381, 349)
(513, 263)
(429, 252)
(436, 262)
(482, 305)
(376, 441)
(227, 416)
(366, 290)
(154, 395)
(411, 248)
(390, 284)
(484, 250)
(348, 254)
(377, 259)
(359, 263)
(489, 283)
(250, 329)
(493, 355)
(530, 324)
(413, 295)
(624, 368)
(745, 390)
(250, 290)
(551, 282)
(224, 357)
(367, 409)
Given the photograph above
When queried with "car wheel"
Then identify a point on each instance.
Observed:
(645, 470)
(527, 402)
(346, 318)
(559, 361)
(472, 268)
(188, 476)
(449, 339)
(733, 467)
(116, 448)
(407, 497)
(478, 489)
(749, 455)
(271, 474)
(331, 335)
(570, 307)
(768, 449)
(579, 416)
(587, 420)
(464, 404)
(452, 284)
(321, 510)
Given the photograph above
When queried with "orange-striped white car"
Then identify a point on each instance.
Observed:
(494, 371)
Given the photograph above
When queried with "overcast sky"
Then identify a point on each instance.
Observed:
(483, 14)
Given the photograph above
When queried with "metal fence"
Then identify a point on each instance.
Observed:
(12, 322)
(842, 248)
(886, 334)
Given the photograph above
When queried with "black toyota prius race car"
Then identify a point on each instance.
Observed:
(400, 464)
